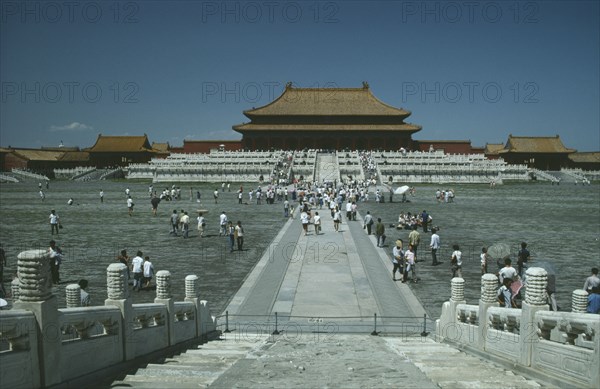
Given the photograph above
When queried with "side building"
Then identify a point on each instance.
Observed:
(110, 151)
(327, 118)
(541, 152)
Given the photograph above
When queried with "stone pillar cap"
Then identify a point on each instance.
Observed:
(489, 277)
(32, 254)
(191, 277)
(536, 271)
(116, 266)
(580, 292)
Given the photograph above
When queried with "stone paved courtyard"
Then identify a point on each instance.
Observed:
(560, 223)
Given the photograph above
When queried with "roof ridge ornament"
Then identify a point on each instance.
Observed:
(365, 85)
(288, 85)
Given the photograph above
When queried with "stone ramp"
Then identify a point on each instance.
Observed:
(320, 361)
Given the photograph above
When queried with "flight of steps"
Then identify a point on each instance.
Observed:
(449, 367)
(325, 360)
(195, 368)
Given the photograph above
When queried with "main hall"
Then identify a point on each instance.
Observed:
(327, 118)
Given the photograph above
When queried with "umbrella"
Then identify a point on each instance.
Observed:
(401, 190)
(499, 252)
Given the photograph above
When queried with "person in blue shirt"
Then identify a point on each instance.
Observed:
(594, 301)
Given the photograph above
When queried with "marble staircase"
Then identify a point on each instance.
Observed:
(325, 360)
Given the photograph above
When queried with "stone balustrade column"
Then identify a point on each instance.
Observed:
(458, 289)
(191, 295)
(35, 295)
(73, 296)
(489, 286)
(117, 287)
(535, 300)
(15, 289)
(579, 301)
(163, 296)
(447, 326)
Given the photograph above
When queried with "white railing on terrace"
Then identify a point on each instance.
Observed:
(5, 178)
(560, 346)
(78, 341)
(28, 174)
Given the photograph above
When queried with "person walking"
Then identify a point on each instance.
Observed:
(174, 220)
(484, 260)
(424, 220)
(239, 235)
(148, 270)
(130, 205)
(317, 223)
(124, 259)
(137, 264)
(55, 255)
(380, 233)
(223, 223)
(230, 230)
(3, 263)
(216, 195)
(185, 224)
(85, 296)
(201, 225)
(54, 222)
(523, 257)
(286, 209)
(409, 264)
(101, 196)
(435, 246)
(414, 238)
(456, 261)
(368, 222)
(397, 259)
(592, 281)
(304, 221)
(337, 219)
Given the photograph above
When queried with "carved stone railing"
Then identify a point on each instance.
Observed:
(42, 346)
(504, 319)
(560, 347)
(468, 314)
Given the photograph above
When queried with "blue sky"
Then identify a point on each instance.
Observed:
(187, 69)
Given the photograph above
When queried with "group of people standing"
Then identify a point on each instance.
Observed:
(140, 266)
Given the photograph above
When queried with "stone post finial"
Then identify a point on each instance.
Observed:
(73, 296)
(163, 284)
(489, 284)
(458, 289)
(579, 301)
(191, 286)
(537, 281)
(15, 289)
(116, 281)
(35, 281)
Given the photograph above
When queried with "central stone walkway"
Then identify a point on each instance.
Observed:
(330, 282)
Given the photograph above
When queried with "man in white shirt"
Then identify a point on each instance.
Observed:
(456, 262)
(434, 245)
(201, 224)
(137, 269)
(185, 223)
(148, 271)
(130, 205)
(54, 221)
(507, 271)
(223, 224)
